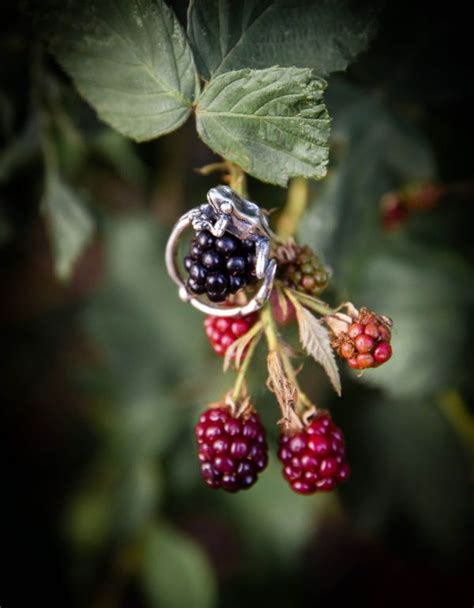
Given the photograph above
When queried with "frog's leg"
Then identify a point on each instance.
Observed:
(265, 289)
(199, 224)
(262, 252)
(220, 226)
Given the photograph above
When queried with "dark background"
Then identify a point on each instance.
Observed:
(102, 378)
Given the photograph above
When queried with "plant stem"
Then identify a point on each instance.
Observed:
(238, 179)
(294, 209)
(240, 380)
(274, 345)
(313, 303)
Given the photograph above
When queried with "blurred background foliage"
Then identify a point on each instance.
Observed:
(103, 375)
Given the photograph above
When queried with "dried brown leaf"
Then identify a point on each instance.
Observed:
(285, 391)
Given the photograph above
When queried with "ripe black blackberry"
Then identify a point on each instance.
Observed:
(221, 266)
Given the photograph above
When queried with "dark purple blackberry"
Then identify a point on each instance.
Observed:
(232, 451)
(314, 460)
(221, 266)
(236, 265)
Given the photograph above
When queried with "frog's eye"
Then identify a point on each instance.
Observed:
(226, 208)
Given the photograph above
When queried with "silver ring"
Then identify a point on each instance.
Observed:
(224, 212)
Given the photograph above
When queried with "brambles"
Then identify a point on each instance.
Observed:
(300, 269)
(314, 458)
(219, 267)
(232, 449)
(224, 331)
(363, 339)
(393, 211)
(398, 206)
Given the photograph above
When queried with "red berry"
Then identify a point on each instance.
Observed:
(366, 343)
(314, 459)
(282, 317)
(232, 451)
(382, 353)
(394, 212)
(355, 330)
(353, 363)
(224, 331)
(347, 350)
(364, 361)
(372, 330)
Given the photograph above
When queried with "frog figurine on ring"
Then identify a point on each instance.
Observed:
(224, 212)
(239, 217)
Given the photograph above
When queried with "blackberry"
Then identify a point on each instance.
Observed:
(366, 342)
(314, 458)
(219, 267)
(300, 269)
(232, 450)
(224, 331)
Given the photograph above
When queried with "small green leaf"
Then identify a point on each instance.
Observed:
(71, 226)
(322, 35)
(314, 338)
(130, 59)
(175, 572)
(273, 122)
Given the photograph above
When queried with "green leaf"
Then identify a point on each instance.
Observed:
(324, 35)
(175, 572)
(70, 224)
(314, 339)
(130, 59)
(273, 123)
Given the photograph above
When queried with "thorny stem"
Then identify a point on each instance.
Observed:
(240, 380)
(294, 209)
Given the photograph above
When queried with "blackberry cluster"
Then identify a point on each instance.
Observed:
(314, 459)
(366, 343)
(221, 266)
(224, 331)
(304, 272)
(232, 451)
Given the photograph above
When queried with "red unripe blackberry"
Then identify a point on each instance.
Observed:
(394, 212)
(232, 450)
(314, 459)
(224, 331)
(281, 315)
(366, 341)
